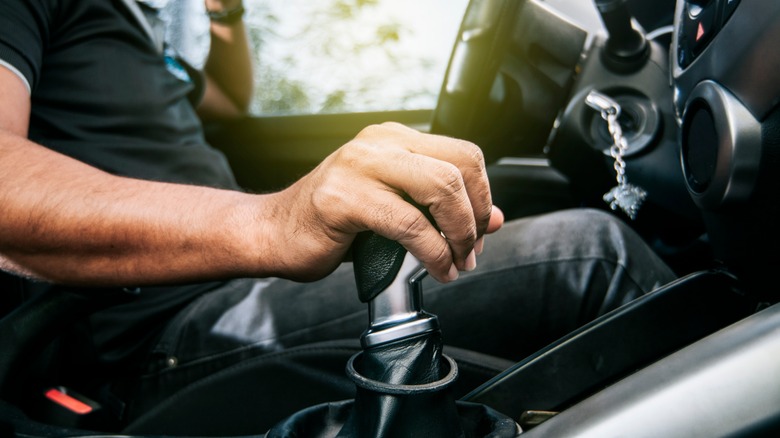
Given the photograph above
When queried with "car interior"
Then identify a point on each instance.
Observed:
(548, 89)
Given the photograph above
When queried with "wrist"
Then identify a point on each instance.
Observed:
(261, 234)
(226, 15)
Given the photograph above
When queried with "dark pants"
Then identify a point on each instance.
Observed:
(538, 279)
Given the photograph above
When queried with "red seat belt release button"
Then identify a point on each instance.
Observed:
(68, 402)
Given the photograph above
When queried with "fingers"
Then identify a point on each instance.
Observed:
(467, 158)
(445, 175)
(496, 220)
(439, 187)
(403, 222)
(367, 185)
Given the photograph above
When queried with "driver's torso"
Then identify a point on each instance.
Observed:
(103, 93)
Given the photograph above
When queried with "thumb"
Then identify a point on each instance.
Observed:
(496, 220)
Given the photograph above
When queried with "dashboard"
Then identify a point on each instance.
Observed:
(701, 112)
(726, 93)
(724, 86)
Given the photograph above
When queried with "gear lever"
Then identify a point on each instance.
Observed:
(627, 48)
(401, 375)
(402, 378)
(392, 288)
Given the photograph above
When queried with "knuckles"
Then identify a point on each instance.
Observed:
(381, 148)
(380, 131)
(473, 156)
(463, 238)
(447, 180)
(341, 195)
(411, 225)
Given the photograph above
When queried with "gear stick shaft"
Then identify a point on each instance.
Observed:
(627, 48)
(400, 374)
(402, 378)
(394, 312)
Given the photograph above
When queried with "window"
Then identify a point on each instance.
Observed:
(335, 56)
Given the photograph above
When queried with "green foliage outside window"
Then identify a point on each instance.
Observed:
(349, 55)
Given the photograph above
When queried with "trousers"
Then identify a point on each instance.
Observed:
(538, 279)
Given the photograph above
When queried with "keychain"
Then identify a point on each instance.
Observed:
(625, 196)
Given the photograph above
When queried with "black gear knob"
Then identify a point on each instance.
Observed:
(389, 280)
(377, 261)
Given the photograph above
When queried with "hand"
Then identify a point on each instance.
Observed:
(362, 187)
(221, 5)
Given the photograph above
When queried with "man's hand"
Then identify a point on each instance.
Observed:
(228, 68)
(67, 222)
(362, 186)
(221, 5)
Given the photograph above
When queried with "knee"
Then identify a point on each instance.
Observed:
(597, 232)
(566, 234)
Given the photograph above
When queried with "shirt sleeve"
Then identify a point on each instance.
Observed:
(23, 32)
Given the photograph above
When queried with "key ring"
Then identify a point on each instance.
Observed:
(627, 197)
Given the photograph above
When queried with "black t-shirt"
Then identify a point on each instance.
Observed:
(103, 93)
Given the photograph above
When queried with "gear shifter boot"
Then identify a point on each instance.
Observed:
(413, 361)
(402, 378)
(403, 390)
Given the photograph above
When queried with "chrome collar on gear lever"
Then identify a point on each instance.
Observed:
(389, 279)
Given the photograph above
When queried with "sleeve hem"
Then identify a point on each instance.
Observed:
(16, 71)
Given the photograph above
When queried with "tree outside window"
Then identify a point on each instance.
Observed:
(334, 56)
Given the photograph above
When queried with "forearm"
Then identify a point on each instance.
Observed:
(67, 222)
(229, 65)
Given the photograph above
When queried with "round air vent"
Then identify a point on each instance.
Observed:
(720, 147)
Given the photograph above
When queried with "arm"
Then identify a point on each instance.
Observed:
(67, 222)
(15, 110)
(228, 68)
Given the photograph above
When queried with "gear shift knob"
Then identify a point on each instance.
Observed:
(377, 261)
(389, 280)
